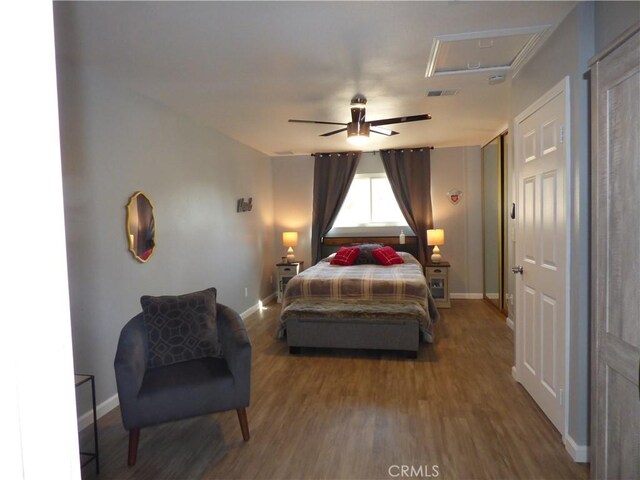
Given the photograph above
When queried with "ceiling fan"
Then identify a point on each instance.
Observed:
(358, 129)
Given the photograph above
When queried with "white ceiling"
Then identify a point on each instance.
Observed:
(245, 68)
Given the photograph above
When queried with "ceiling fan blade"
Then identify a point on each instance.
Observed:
(383, 131)
(411, 118)
(334, 132)
(316, 121)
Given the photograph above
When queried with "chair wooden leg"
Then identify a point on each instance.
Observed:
(244, 425)
(134, 436)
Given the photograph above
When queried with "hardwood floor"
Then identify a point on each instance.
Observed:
(455, 410)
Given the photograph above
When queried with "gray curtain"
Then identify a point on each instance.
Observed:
(332, 176)
(409, 172)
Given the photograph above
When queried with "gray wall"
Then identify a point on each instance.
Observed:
(116, 142)
(293, 203)
(456, 167)
(613, 18)
(459, 168)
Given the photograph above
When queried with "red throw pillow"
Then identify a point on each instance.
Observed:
(345, 256)
(387, 256)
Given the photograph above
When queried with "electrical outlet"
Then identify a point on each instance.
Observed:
(246, 292)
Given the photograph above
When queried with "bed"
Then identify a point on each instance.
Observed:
(366, 306)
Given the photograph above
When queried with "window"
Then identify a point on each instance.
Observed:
(370, 203)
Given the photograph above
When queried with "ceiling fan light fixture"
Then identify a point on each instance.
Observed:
(358, 129)
(358, 140)
(359, 101)
(358, 133)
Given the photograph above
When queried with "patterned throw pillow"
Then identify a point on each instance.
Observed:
(345, 256)
(366, 257)
(387, 256)
(181, 327)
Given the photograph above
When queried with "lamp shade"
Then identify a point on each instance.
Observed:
(290, 239)
(435, 237)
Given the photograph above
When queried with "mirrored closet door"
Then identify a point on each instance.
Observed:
(493, 221)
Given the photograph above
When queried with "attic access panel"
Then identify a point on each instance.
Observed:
(483, 51)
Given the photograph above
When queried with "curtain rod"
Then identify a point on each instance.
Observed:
(430, 147)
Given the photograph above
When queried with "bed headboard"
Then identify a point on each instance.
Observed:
(332, 244)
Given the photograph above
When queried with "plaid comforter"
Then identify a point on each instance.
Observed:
(362, 285)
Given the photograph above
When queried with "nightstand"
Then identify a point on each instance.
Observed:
(438, 280)
(286, 271)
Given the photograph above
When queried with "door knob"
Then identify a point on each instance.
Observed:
(517, 269)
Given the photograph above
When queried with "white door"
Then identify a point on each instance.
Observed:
(541, 153)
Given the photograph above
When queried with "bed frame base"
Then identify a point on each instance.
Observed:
(410, 354)
(396, 334)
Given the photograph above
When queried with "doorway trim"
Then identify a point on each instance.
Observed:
(559, 88)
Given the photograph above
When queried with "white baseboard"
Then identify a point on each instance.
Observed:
(249, 311)
(579, 453)
(466, 296)
(514, 373)
(102, 409)
(256, 307)
(510, 323)
(269, 298)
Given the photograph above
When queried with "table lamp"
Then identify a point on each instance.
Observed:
(290, 240)
(435, 237)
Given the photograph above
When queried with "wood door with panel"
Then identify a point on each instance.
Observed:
(541, 251)
(615, 260)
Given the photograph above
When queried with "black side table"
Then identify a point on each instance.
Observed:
(81, 379)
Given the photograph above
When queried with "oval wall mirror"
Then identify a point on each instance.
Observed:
(141, 227)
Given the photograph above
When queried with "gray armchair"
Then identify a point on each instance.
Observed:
(150, 396)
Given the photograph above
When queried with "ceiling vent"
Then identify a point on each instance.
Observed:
(283, 153)
(496, 79)
(442, 93)
(495, 50)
